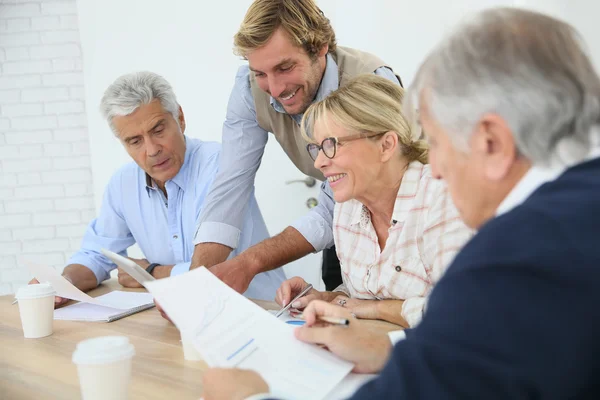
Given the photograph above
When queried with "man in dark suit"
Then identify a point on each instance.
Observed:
(510, 104)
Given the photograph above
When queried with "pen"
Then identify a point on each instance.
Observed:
(14, 302)
(330, 320)
(335, 321)
(302, 293)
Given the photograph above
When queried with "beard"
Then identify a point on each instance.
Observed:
(313, 82)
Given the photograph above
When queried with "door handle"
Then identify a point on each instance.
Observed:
(308, 181)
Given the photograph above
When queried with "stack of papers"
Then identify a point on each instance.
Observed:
(229, 330)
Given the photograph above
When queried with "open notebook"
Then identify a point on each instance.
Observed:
(105, 308)
(129, 303)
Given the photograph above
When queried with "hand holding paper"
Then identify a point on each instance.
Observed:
(58, 301)
(66, 289)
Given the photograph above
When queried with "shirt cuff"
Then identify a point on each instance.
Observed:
(217, 232)
(412, 310)
(180, 268)
(315, 230)
(342, 288)
(396, 336)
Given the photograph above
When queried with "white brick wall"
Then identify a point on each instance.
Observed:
(46, 194)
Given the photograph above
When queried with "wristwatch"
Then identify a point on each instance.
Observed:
(151, 268)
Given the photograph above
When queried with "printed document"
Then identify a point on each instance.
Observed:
(229, 330)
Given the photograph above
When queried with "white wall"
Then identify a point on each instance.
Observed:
(174, 41)
(401, 32)
(582, 14)
(45, 177)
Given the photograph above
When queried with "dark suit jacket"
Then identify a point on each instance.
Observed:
(517, 314)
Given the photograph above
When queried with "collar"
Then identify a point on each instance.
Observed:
(329, 83)
(182, 176)
(359, 213)
(537, 176)
(407, 191)
(409, 187)
(150, 185)
(533, 179)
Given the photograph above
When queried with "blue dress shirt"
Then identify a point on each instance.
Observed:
(244, 143)
(135, 210)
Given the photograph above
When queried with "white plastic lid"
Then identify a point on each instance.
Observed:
(35, 291)
(103, 350)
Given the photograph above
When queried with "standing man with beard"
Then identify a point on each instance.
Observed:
(293, 60)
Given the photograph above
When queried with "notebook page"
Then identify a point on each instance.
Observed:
(126, 300)
(231, 331)
(95, 312)
(85, 312)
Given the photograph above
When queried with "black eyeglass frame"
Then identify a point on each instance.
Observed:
(335, 141)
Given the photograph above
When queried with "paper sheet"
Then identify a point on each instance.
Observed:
(287, 318)
(231, 331)
(66, 289)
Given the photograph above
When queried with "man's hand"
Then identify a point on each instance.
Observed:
(265, 256)
(235, 273)
(80, 276)
(367, 349)
(365, 309)
(126, 280)
(232, 384)
(292, 288)
(58, 301)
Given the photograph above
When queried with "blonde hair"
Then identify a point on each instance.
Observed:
(371, 104)
(302, 20)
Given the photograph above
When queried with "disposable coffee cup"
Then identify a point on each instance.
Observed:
(189, 351)
(36, 306)
(104, 367)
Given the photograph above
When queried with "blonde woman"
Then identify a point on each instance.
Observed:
(395, 226)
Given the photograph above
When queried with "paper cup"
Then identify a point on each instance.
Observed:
(36, 306)
(189, 351)
(104, 367)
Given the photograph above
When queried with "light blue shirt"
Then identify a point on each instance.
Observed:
(244, 143)
(134, 210)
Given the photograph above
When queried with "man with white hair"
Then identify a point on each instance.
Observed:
(156, 200)
(510, 104)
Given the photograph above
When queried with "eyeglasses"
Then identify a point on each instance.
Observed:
(329, 145)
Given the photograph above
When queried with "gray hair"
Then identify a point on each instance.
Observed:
(130, 91)
(529, 68)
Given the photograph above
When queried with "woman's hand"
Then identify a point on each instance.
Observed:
(291, 288)
(365, 309)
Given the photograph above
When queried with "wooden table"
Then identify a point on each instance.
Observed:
(42, 368)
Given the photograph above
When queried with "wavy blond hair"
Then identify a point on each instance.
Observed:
(302, 20)
(370, 104)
